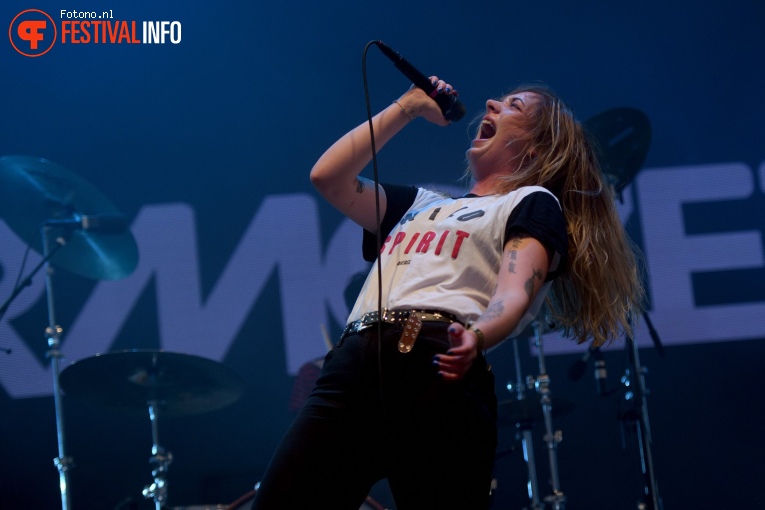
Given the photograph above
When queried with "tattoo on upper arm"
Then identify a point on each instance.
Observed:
(515, 243)
(359, 184)
(529, 285)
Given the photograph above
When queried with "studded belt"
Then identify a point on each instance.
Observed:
(411, 320)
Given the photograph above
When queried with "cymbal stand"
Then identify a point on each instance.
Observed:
(27, 281)
(639, 415)
(159, 459)
(542, 385)
(527, 442)
(53, 334)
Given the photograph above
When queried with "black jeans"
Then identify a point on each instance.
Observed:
(391, 416)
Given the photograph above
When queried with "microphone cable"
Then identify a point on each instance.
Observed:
(378, 222)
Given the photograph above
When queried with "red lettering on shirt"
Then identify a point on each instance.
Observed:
(399, 237)
(411, 243)
(441, 242)
(425, 243)
(460, 237)
(382, 248)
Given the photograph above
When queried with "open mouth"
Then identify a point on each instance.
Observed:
(487, 130)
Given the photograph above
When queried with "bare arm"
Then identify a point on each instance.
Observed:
(522, 273)
(336, 174)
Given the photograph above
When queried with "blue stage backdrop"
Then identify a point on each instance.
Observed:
(200, 121)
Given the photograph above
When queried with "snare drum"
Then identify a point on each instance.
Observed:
(245, 503)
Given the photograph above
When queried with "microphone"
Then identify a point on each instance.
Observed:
(102, 223)
(577, 369)
(451, 107)
(601, 375)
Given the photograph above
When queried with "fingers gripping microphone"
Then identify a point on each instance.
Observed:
(451, 107)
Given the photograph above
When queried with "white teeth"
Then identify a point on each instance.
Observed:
(487, 129)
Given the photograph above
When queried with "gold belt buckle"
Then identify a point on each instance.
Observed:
(411, 330)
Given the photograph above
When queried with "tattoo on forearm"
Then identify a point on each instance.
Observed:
(493, 311)
(359, 185)
(529, 285)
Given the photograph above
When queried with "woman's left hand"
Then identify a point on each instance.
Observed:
(453, 365)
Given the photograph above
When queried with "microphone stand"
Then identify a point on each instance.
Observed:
(639, 415)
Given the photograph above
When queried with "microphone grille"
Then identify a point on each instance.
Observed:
(456, 112)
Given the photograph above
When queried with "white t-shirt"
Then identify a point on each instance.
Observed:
(444, 253)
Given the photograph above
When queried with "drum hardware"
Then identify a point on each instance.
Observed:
(522, 421)
(200, 507)
(53, 334)
(635, 411)
(523, 412)
(167, 383)
(160, 459)
(246, 501)
(35, 192)
(636, 414)
(37, 195)
(624, 136)
(557, 499)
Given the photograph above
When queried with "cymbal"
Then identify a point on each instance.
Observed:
(34, 190)
(624, 136)
(126, 381)
(510, 412)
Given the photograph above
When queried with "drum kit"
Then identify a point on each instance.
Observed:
(82, 232)
(162, 383)
(77, 229)
(524, 412)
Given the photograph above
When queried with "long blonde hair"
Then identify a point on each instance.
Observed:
(601, 291)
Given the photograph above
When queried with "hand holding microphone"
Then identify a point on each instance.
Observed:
(417, 103)
(450, 106)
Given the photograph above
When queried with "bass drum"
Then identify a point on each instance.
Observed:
(245, 503)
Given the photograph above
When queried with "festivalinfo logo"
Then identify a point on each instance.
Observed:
(34, 32)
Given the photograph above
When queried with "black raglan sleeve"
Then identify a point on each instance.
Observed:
(399, 200)
(539, 215)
